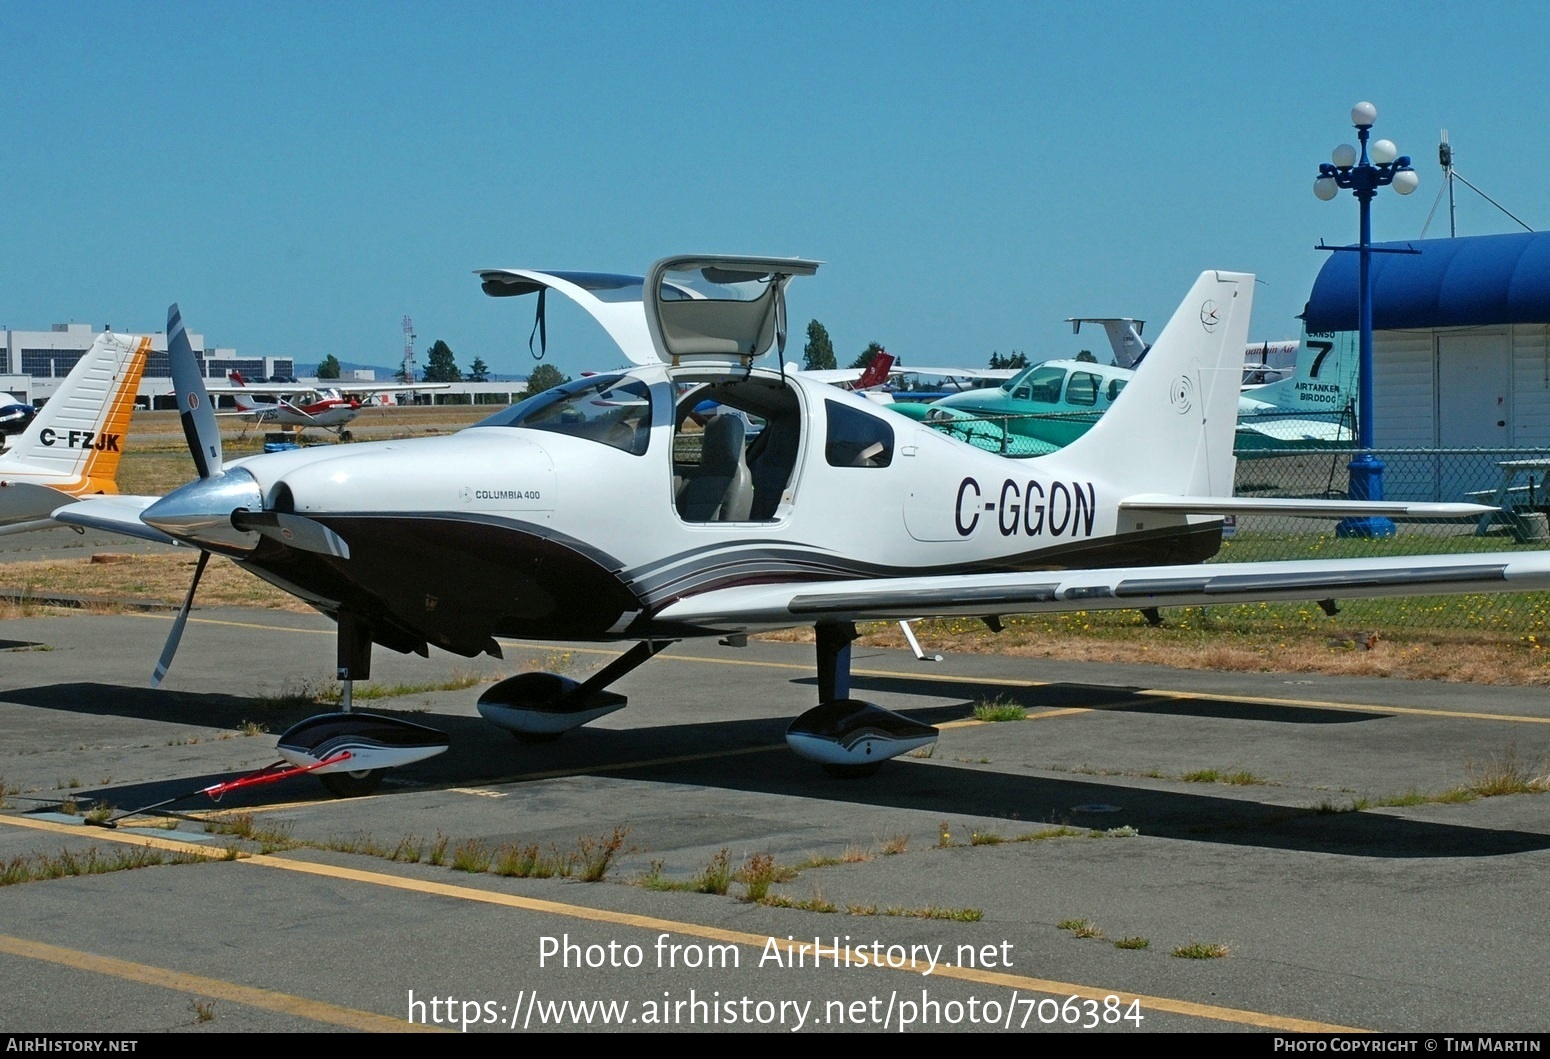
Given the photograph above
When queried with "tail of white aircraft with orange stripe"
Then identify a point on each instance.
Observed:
(73, 445)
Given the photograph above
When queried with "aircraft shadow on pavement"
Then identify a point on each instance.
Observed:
(750, 755)
(1065, 695)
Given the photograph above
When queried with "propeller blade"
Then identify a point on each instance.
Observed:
(177, 626)
(294, 531)
(194, 405)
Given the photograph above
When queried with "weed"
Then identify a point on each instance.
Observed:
(896, 845)
(815, 903)
(239, 825)
(999, 709)
(956, 915)
(204, 1010)
(251, 728)
(438, 853)
(944, 838)
(861, 910)
(1080, 928)
(1242, 778)
(758, 873)
(654, 880)
(596, 854)
(69, 806)
(1197, 950)
(985, 838)
(855, 855)
(1046, 833)
(1410, 797)
(471, 856)
(1133, 943)
(1503, 772)
(409, 850)
(717, 875)
(1201, 776)
(1123, 831)
(923, 752)
(515, 861)
(99, 813)
(93, 861)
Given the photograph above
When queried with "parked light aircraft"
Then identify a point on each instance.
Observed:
(15, 414)
(330, 408)
(73, 444)
(1051, 404)
(599, 510)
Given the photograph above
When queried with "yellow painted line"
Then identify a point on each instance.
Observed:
(1050, 986)
(761, 941)
(1004, 682)
(83, 830)
(215, 988)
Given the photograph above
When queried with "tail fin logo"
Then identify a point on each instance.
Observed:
(1182, 395)
(1209, 317)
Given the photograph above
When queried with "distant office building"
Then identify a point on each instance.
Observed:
(46, 357)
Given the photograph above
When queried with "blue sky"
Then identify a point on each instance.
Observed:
(300, 176)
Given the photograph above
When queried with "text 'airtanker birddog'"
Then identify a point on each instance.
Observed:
(613, 508)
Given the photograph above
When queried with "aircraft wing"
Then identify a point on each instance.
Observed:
(264, 389)
(1281, 428)
(1123, 588)
(113, 514)
(371, 389)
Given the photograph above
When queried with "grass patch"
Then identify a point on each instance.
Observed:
(1044, 834)
(715, 877)
(596, 855)
(815, 903)
(1199, 950)
(896, 845)
(985, 838)
(1080, 928)
(472, 856)
(956, 915)
(1132, 943)
(759, 873)
(653, 879)
(1502, 771)
(999, 709)
(93, 861)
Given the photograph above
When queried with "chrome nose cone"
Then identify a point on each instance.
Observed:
(199, 513)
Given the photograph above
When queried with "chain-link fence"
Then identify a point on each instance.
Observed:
(1513, 479)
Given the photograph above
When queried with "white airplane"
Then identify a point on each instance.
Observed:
(15, 414)
(73, 444)
(600, 510)
(328, 408)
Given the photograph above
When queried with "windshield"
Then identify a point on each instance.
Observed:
(614, 410)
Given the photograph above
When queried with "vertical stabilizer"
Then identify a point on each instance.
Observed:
(1171, 430)
(75, 442)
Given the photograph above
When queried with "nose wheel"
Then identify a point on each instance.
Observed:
(352, 784)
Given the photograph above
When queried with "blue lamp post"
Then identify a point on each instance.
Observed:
(1363, 178)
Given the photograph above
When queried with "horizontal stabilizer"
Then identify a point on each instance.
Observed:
(1252, 505)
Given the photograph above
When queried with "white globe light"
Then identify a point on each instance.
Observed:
(1326, 188)
(1343, 156)
(1405, 181)
(1383, 152)
(1364, 114)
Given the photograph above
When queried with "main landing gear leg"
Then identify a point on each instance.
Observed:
(365, 744)
(846, 736)
(539, 707)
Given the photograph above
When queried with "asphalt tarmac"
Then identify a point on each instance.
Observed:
(1335, 911)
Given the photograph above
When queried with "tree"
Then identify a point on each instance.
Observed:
(328, 367)
(544, 377)
(1086, 357)
(818, 354)
(440, 365)
(478, 371)
(867, 355)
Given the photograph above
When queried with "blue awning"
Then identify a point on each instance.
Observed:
(1464, 282)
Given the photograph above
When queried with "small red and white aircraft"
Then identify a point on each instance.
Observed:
(73, 444)
(601, 510)
(330, 408)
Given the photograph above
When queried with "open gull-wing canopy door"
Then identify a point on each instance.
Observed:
(715, 308)
(613, 301)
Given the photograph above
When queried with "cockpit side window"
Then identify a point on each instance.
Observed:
(1083, 388)
(856, 439)
(614, 410)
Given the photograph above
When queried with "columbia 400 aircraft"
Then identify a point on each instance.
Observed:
(73, 444)
(575, 515)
